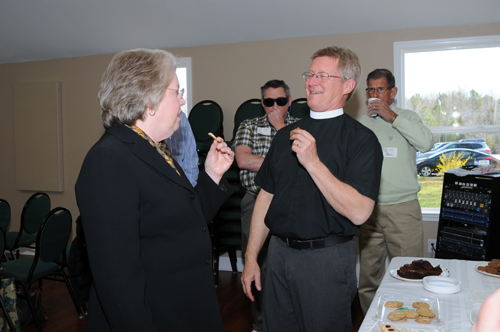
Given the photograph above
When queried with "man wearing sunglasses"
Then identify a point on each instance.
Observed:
(395, 227)
(319, 183)
(251, 144)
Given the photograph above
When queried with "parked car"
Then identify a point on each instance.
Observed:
(427, 164)
(472, 140)
(434, 148)
(473, 144)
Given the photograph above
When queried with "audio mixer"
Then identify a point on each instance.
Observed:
(469, 219)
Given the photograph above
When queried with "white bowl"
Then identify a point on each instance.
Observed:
(442, 285)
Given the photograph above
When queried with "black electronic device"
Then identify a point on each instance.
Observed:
(469, 219)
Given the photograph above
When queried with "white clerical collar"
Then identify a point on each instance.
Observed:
(327, 114)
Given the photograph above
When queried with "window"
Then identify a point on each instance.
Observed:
(451, 84)
(183, 72)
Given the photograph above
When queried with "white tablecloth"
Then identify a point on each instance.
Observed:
(455, 308)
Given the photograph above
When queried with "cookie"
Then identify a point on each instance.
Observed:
(411, 314)
(388, 328)
(489, 269)
(399, 320)
(423, 320)
(421, 305)
(425, 312)
(494, 263)
(293, 131)
(393, 304)
(397, 315)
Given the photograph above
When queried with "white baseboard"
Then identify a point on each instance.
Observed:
(225, 264)
(27, 251)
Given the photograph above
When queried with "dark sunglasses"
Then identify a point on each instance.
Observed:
(281, 101)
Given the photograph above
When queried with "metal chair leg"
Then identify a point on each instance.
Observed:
(233, 259)
(84, 306)
(72, 293)
(32, 308)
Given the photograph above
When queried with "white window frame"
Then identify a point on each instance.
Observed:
(401, 48)
(188, 96)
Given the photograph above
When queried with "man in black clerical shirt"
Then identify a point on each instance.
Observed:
(319, 182)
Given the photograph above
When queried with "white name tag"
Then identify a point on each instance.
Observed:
(264, 131)
(390, 152)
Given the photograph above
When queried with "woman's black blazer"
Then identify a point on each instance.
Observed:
(147, 239)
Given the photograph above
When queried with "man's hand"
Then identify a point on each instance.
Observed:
(251, 273)
(304, 145)
(381, 108)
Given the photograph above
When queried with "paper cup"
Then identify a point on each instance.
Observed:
(369, 102)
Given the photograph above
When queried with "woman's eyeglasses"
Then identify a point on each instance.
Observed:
(281, 101)
(179, 93)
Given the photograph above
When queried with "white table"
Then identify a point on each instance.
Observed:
(455, 308)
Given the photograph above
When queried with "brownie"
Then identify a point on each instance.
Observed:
(426, 265)
(419, 269)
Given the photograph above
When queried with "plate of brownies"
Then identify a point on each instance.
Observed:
(418, 270)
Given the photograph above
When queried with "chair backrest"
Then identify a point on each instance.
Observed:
(249, 109)
(4, 215)
(35, 209)
(53, 234)
(2, 241)
(300, 108)
(206, 117)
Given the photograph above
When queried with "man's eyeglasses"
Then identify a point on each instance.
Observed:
(281, 101)
(379, 90)
(320, 76)
(179, 93)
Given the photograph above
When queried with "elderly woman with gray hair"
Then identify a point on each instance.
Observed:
(145, 225)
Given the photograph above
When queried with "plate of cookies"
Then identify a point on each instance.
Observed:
(491, 269)
(408, 314)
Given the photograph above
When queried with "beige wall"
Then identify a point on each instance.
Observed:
(228, 74)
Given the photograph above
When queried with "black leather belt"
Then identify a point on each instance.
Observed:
(315, 243)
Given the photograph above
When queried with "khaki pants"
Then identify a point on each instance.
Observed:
(394, 230)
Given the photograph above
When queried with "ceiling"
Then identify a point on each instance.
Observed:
(52, 29)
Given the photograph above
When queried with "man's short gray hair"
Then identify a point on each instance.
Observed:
(348, 67)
